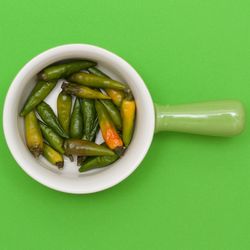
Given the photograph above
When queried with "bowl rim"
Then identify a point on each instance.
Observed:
(9, 99)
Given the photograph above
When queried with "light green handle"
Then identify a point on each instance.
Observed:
(216, 118)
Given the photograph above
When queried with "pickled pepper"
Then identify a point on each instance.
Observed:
(85, 148)
(49, 117)
(53, 156)
(82, 91)
(97, 162)
(38, 94)
(128, 117)
(89, 115)
(76, 121)
(64, 103)
(109, 133)
(33, 135)
(54, 140)
(64, 70)
(113, 112)
(95, 81)
(116, 95)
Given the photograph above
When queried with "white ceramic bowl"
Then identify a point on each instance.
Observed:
(69, 180)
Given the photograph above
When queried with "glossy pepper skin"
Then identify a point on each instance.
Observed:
(92, 136)
(116, 95)
(82, 91)
(49, 117)
(89, 115)
(85, 148)
(64, 103)
(89, 118)
(38, 94)
(97, 72)
(94, 130)
(54, 140)
(113, 112)
(33, 135)
(97, 162)
(76, 121)
(95, 81)
(64, 70)
(128, 110)
(53, 156)
(109, 133)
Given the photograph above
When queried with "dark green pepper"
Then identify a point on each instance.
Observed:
(49, 117)
(116, 95)
(82, 91)
(76, 121)
(97, 162)
(90, 124)
(89, 115)
(63, 70)
(113, 112)
(85, 148)
(95, 81)
(64, 103)
(94, 130)
(54, 140)
(38, 94)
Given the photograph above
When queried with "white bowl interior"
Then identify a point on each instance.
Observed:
(69, 179)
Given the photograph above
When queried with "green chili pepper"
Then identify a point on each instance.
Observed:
(90, 124)
(94, 130)
(64, 103)
(49, 117)
(128, 116)
(76, 121)
(85, 148)
(54, 140)
(53, 156)
(113, 112)
(89, 114)
(33, 135)
(38, 94)
(109, 132)
(94, 81)
(97, 72)
(97, 162)
(82, 91)
(63, 70)
(116, 95)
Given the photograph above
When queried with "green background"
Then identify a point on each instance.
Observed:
(190, 192)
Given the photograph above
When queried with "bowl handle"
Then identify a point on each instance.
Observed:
(215, 118)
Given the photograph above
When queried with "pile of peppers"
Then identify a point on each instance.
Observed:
(89, 101)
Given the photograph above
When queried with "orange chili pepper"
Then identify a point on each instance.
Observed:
(109, 133)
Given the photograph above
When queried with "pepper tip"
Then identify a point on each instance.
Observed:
(36, 152)
(119, 151)
(42, 76)
(60, 164)
(80, 160)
